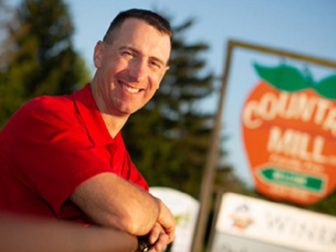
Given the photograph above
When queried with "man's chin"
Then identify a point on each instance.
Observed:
(125, 112)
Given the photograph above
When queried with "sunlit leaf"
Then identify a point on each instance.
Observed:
(283, 77)
(327, 87)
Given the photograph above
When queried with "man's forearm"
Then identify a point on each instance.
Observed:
(112, 201)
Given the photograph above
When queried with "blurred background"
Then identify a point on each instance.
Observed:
(47, 46)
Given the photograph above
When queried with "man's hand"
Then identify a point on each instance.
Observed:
(167, 221)
(163, 231)
(158, 238)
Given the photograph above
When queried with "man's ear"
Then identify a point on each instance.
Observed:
(163, 74)
(98, 54)
(166, 70)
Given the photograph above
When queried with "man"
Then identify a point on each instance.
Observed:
(64, 157)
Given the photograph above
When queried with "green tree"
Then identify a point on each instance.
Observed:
(326, 205)
(39, 58)
(169, 138)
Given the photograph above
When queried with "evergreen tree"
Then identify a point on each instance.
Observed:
(169, 138)
(39, 57)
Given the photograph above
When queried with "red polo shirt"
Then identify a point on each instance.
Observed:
(52, 145)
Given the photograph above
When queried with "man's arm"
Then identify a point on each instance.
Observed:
(22, 234)
(112, 201)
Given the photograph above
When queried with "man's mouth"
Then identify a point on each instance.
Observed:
(130, 89)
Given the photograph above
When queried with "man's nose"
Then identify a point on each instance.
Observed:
(138, 70)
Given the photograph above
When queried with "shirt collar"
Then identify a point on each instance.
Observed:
(91, 117)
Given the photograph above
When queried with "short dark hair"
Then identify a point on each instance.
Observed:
(150, 17)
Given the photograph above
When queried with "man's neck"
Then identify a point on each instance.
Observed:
(113, 124)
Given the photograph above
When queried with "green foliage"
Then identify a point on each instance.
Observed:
(39, 58)
(291, 79)
(326, 205)
(169, 138)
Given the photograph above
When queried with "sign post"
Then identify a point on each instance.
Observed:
(288, 162)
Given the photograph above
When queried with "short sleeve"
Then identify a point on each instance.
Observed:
(53, 152)
(134, 176)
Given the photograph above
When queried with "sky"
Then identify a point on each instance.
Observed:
(301, 26)
(306, 26)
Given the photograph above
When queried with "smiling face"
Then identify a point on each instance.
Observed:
(130, 66)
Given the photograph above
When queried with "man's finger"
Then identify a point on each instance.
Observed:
(161, 243)
(155, 233)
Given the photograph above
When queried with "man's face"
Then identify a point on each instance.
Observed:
(130, 67)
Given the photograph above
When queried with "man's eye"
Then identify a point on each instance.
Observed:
(128, 54)
(155, 65)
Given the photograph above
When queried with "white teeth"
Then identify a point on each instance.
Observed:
(131, 90)
(128, 88)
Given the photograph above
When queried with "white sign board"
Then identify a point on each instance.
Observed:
(276, 224)
(185, 210)
(232, 243)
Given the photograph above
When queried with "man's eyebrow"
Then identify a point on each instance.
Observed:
(137, 52)
(128, 48)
